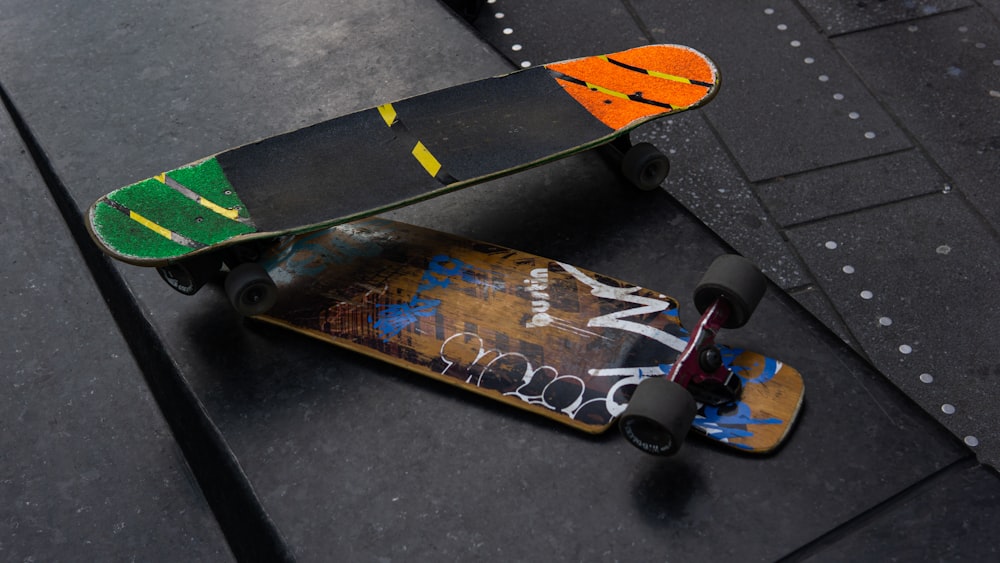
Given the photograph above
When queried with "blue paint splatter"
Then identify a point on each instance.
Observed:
(723, 427)
(442, 269)
(393, 319)
(770, 369)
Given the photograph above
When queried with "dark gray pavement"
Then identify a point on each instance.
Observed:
(852, 153)
(89, 465)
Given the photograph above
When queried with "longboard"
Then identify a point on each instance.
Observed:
(364, 163)
(545, 336)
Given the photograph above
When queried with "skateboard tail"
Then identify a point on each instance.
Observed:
(625, 89)
(760, 421)
(169, 216)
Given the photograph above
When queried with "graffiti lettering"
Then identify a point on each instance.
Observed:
(617, 320)
(512, 374)
(537, 286)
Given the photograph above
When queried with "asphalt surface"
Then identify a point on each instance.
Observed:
(852, 153)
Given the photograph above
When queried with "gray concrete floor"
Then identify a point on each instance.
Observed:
(852, 153)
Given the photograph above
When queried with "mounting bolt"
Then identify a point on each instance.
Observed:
(709, 359)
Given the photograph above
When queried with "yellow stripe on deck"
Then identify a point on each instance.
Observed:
(160, 230)
(232, 214)
(666, 76)
(419, 152)
(227, 213)
(388, 113)
(426, 159)
(652, 73)
(603, 90)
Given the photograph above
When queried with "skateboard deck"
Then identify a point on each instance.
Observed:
(541, 335)
(398, 153)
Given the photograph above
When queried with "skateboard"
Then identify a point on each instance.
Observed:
(574, 346)
(395, 154)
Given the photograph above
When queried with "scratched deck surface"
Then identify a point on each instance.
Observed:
(538, 334)
(398, 153)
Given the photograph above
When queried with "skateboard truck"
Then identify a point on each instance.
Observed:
(661, 410)
(699, 368)
(248, 286)
(188, 276)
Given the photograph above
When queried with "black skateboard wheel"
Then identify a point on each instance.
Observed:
(736, 280)
(250, 289)
(658, 416)
(645, 166)
(188, 276)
